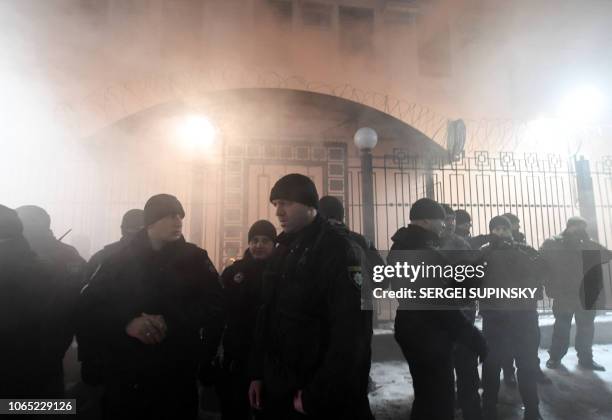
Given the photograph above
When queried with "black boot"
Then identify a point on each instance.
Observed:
(591, 365)
(553, 363)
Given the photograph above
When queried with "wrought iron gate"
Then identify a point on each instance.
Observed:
(540, 190)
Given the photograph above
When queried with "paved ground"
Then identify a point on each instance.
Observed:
(575, 394)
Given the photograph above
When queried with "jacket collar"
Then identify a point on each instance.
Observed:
(415, 237)
(296, 238)
(142, 243)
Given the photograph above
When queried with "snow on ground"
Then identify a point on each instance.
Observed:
(575, 394)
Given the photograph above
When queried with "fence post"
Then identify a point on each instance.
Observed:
(586, 195)
(197, 205)
(430, 191)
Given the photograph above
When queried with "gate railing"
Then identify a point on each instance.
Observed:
(539, 189)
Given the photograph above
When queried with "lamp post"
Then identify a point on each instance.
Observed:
(366, 139)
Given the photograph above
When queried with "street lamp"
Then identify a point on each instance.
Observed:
(197, 135)
(366, 139)
(583, 105)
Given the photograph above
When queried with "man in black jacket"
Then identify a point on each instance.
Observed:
(68, 268)
(142, 314)
(242, 282)
(332, 210)
(575, 282)
(465, 360)
(313, 337)
(28, 358)
(463, 227)
(510, 326)
(508, 367)
(427, 336)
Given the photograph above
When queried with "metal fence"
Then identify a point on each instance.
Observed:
(540, 190)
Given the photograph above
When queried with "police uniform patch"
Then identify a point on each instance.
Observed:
(238, 278)
(356, 276)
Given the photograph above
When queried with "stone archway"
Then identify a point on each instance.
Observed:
(120, 100)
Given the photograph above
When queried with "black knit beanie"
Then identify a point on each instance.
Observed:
(160, 206)
(426, 208)
(262, 228)
(499, 221)
(462, 216)
(331, 207)
(295, 187)
(133, 219)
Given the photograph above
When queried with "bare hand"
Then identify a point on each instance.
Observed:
(148, 329)
(255, 394)
(297, 403)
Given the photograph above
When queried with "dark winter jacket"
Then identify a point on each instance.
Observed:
(511, 265)
(30, 353)
(369, 257)
(178, 282)
(102, 255)
(575, 277)
(57, 253)
(312, 335)
(67, 267)
(413, 325)
(242, 282)
(454, 242)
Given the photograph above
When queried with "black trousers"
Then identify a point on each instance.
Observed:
(154, 399)
(585, 331)
(232, 389)
(511, 334)
(466, 371)
(429, 353)
(508, 366)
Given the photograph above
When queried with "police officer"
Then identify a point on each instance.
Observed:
(313, 338)
(575, 281)
(508, 366)
(26, 306)
(131, 223)
(449, 239)
(68, 267)
(463, 226)
(242, 288)
(465, 360)
(427, 336)
(144, 310)
(510, 326)
(463, 223)
(332, 210)
(515, 222)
